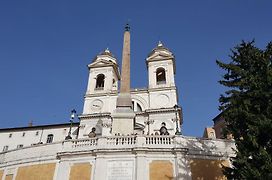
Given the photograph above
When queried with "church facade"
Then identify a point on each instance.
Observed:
(123, 133)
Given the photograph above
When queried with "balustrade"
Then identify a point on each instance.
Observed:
(47, 151)
(116, 141)
(84, 143)
(121, 140)
(152, 140)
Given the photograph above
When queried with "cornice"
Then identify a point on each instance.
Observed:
(133, 91)
(94, 115)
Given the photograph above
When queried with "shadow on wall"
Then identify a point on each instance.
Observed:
(203, 159)
(207, 169)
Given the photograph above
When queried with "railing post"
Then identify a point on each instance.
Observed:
(102, 142)
(67, 145)
(140, 141)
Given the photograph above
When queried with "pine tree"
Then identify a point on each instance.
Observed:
(247, 110)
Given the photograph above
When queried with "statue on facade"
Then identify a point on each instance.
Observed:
(163, 129)
(92, 134)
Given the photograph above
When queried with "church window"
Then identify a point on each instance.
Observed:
(139, 108)
(160, 76)
(100, 82)
(113, 83)
(50, 138)
(136, 107)
(5, 148)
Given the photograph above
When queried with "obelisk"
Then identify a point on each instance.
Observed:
(124, 99)
(123, 116)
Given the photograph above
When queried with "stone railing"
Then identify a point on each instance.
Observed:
(83, 143)
(159, 140)
(121, 140)
(191, 145)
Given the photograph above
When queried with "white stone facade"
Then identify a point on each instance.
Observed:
(153, 105)
(13, 138)
(132, 154)
(114, 156)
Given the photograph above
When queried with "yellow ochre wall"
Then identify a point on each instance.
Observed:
(81, 171)
(160, 170)
(34, 172)
(1, 173)
(207, 169)
(9, 177)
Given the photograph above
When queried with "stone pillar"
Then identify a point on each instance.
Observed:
(182, 165)
(100, 169)
(63, 170)
(141, 166)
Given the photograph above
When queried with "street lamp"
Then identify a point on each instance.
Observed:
(72, 117)
(177, 127)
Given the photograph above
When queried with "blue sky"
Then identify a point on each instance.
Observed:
(46, 45)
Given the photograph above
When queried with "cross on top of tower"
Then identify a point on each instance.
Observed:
(160, 44)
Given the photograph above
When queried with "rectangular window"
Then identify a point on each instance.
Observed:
(20, 146)
(10, 135)
(50, 138)
(37, 133)
(23, 135)
(5, 148)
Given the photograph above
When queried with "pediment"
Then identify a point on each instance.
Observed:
(160, 56)
(105, 63)
(101, 63)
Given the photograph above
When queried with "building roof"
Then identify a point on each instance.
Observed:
(38, 126)
(107, 52)
(160, 47)
(218, 117)
(106, 55)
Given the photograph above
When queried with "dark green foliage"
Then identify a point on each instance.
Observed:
(247, 109)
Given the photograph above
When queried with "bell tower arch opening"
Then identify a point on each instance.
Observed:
(100, 82)
(160, 76)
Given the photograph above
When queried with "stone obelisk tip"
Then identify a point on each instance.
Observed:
(127, 27)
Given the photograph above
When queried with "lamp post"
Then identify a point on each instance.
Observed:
(177, 127)
(72, 117)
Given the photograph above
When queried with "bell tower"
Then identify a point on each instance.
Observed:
(161, 67)
(99, 98)
(103, 73)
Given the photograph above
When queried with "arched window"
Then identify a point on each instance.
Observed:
(113, 83)
(100, 82)
(160, 76)
(49, 138)
(136, 107)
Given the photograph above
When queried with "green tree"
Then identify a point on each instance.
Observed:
(247, 110)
